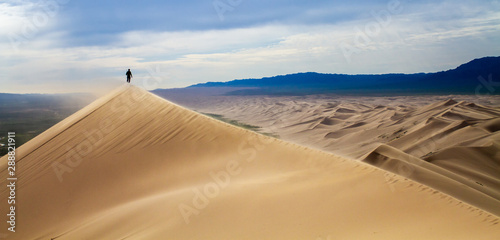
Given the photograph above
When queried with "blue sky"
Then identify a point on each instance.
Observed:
(76, 46)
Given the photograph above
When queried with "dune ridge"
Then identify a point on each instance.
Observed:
(134, 166)
(404, 135)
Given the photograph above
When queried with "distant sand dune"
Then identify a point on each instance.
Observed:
(458, 139)
(134, 166)
(454, 183)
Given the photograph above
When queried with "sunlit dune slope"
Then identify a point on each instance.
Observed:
(134, 166)
(449, 145)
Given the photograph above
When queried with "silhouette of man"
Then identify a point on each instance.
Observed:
(129, 75)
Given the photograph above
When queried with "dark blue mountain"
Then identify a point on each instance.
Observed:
(476, 76)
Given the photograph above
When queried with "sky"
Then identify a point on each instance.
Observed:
(58, 46)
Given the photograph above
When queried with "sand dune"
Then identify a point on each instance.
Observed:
(450, 182)
(456, 137)
(134, 166)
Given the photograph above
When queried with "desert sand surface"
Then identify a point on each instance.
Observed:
(454, 136)
(134, 166)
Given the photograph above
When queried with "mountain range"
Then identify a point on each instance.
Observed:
(479, 76)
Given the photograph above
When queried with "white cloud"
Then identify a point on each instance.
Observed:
(23, 21)
(10, 17)
(412, 41)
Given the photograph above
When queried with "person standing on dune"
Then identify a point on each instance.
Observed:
(129, 75)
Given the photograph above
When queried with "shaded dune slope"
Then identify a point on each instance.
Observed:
(134, 166)
(456, 138)
(455, 184)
